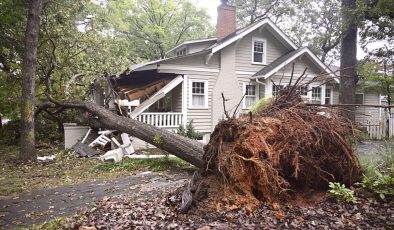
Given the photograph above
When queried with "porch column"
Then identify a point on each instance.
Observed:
(184, 100)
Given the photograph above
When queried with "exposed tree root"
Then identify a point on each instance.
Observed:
(287, 146)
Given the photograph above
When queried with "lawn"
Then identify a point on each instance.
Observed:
(67, 168)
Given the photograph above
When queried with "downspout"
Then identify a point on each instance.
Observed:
(261, 83)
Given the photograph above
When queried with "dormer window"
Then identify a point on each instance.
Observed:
(259, 51)
(181, 52)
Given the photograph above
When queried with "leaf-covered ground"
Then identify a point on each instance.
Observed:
(38, 206)
(67, 168)
(159, 211)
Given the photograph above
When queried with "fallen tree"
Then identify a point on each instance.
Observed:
(184, 148)
(287, 147)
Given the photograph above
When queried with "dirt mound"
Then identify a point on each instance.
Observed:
(288, 146)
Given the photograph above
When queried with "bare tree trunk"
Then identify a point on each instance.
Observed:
(348, 79)
(186, 149)
(27, 139)
(1, 122)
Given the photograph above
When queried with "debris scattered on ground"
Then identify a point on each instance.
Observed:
(46, 158)
(83, 150)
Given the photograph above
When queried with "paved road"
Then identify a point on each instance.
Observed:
(38, 206)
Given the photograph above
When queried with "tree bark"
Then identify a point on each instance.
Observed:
(27, 139)
(348, 78)
(184, 148)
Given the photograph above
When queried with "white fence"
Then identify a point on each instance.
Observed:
(161, 119)
(380, 129)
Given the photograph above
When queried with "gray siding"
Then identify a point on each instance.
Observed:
(227, 83)
(300, 65)
(196, 47)
(202, 118)
(275, 49)
(369, 113)
(197, 61)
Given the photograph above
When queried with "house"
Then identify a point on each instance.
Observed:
(255, 61)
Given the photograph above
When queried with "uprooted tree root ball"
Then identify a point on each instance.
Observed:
(288, 146)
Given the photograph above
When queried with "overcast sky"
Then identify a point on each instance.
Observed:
(211, 6)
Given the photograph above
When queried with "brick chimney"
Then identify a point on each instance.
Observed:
(226, 23)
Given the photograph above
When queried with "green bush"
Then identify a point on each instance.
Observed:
(189, 131)
(378, 175)
(9, 134)
(380, 184)
(341, 193)
(259, 105)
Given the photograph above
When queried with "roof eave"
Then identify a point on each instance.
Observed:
(263, 22)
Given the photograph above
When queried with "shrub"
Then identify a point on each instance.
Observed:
(189, 131)
(260, 104)
(378, 175)
(341, 193)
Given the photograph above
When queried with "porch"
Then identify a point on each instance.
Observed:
(162, 120)
(160, 103)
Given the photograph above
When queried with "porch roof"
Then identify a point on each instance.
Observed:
(282, 61)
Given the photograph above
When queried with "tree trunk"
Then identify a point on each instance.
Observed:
(348, 78)
(27, 139)
(1, 122)
(184, 148)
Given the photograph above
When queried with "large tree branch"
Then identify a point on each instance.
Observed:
(186, 149)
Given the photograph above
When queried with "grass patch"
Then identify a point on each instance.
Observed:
(69, 169)
(153, 164)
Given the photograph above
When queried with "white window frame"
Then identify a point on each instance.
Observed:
(321, 94)
(191, 106)
(256, 93)
(331, 94)
(272, 89)
(264, 62)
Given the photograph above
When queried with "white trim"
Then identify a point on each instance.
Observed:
(256, 95)
(264, 50)
(185, 68)
(331, 94)
(184, 100)
(191, 42)
(252, 28)
(244, 73)
(304, 50)
(191, 94)
(157, 96)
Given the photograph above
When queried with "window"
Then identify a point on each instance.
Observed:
(327, 99)
(359, 98)
(276, 90)
(199, 98)
(303, 90)
(250, 95)
(181, 52)
(316, 95)
(259, 47)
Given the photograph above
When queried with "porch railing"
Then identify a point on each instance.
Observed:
(161, 119)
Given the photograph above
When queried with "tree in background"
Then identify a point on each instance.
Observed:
(250, 11)
(348, 73)
(152, 27)
(377, 28)
(27, 141)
